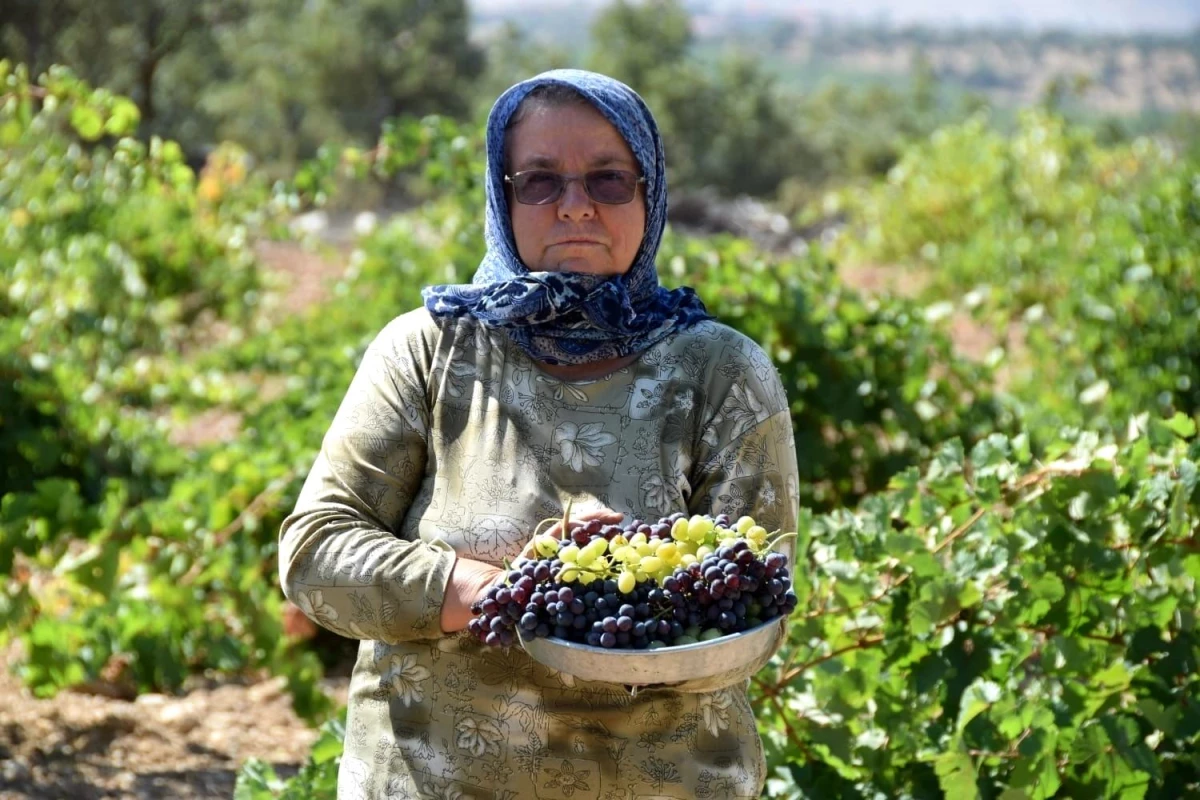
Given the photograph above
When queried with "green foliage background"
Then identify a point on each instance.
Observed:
(999, 557)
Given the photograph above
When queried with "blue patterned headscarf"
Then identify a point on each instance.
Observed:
(572, 317)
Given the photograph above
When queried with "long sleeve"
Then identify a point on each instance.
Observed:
(341, 560)
(746, 464)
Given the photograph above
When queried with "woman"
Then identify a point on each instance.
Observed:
(563, 372)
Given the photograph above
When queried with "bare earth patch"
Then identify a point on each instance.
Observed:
(883, 279)
(187, 747)
(209, 426)
(306, 276)
(303, 279)
(971, 338)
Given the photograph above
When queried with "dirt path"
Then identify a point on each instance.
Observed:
(971, 338)
(183, 748)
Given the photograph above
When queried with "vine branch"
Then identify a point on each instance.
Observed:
(262, 499)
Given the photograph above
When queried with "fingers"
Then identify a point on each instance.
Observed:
(603, 515)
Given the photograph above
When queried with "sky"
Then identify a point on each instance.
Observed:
(1096, 16)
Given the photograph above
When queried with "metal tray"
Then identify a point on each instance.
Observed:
(747, 651)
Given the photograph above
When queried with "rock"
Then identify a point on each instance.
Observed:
(268, 691)
(182, 716)
(311, 223)
(365, 223)
(705, 212)
(14, 770)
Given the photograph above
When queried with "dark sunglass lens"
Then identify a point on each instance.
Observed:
(535, 188)
(611, 186)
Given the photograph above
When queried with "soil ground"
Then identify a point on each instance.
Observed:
(184, 747)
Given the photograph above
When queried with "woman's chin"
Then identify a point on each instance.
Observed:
(584, 265)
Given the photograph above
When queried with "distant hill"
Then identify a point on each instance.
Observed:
(1142, 71)
(1128, 17)
(1124, 75)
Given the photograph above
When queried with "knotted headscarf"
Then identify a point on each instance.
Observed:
(573, 317)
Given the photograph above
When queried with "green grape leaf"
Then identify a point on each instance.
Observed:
(1183, 425)
(1038, 776)
(329, 744)
(1090, 742)
(10, 133)
(1165, 719)
(956, 775)
(257, 780)
(1123, 733)
(94, 567)
(947, 462)
(976, 699)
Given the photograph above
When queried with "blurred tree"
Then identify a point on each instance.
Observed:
(1062, 90)
(924, 85)
(416, 55)
(724, 125)
(272, 98)
(29, 31)
(511, 56)
(304, 72)
(753, 142)
(634, 41)
(782, 33)
(122, 45)
(278, 76)
(144, 34)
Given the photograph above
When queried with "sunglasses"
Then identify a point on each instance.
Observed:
(537, 187)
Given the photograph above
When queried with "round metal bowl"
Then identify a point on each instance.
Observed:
(738, 654)
(744, 652)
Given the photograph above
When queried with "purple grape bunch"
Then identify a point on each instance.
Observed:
(623, 587)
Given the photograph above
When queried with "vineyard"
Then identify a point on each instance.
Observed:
(998, 552)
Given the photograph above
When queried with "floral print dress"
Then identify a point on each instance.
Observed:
(450, 441)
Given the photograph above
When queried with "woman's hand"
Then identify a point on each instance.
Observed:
(604, 515)
(469, 579)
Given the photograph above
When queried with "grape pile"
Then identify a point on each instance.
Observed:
(643, 586)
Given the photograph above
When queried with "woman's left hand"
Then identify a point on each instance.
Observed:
(603, 515)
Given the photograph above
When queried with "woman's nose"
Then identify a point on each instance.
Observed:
(575, 203)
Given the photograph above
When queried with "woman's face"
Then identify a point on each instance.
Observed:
(574, 233)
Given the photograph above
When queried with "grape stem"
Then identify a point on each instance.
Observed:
(781, 537)
(538, 530)
(566, 521)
